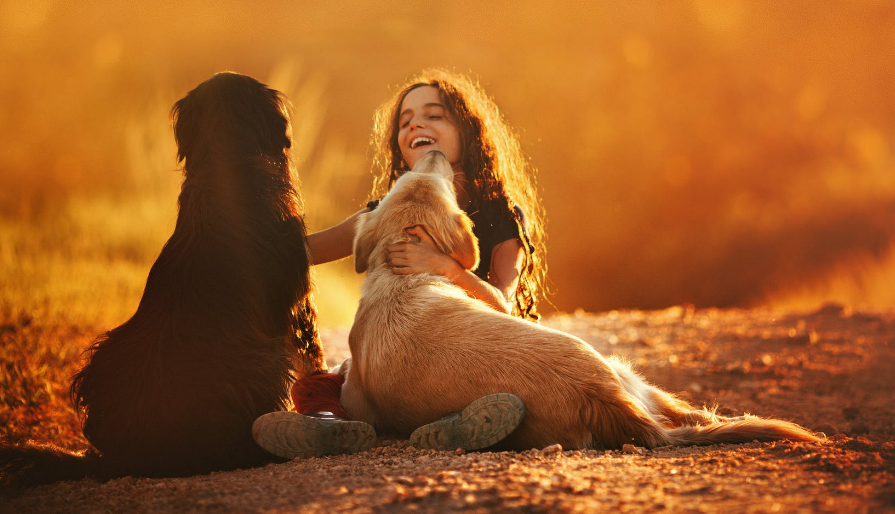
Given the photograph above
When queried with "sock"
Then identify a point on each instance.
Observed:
(319, 393)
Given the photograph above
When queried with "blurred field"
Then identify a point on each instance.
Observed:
(719, 154)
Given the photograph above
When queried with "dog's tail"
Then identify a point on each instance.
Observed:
(748, 429)
(34, 464)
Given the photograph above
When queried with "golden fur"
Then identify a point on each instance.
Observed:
(422, 349)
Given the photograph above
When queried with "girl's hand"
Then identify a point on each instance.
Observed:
(421, 257)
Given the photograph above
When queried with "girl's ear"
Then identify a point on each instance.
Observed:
(465, 247)
(363, 242)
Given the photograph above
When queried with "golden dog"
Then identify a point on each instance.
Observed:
(422, 349)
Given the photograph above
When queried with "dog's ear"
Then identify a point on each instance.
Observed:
(465, 245)
(453, 236)
(363, 242)
(185, 119)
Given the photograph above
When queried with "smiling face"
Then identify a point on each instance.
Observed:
(424, 124)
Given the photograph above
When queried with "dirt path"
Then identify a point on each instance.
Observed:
(832, 370)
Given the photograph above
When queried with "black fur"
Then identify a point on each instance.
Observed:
(225, 321)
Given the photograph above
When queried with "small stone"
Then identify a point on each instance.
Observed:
(553, 449)
(630, 448)
(459, 451)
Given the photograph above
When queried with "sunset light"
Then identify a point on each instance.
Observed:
(717, 180)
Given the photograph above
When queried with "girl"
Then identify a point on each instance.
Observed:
(437, 110)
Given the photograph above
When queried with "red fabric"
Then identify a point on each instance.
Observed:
(319, 393)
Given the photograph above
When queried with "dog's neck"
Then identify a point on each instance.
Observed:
(381, 279)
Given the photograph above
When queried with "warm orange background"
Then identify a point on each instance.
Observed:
(718, 153)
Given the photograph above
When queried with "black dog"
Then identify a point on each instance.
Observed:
(225, 322)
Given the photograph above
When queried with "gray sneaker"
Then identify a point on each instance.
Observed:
(483, 423)
(291, 435)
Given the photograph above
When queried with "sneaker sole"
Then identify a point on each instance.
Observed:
(291, 435)
(483, 423)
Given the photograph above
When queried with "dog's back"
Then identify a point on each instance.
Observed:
(449, 350)
(170, 393)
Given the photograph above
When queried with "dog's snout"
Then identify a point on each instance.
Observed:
(433, 159)
(434, 162)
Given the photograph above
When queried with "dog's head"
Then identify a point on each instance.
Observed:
(423, 196)
(233, 119)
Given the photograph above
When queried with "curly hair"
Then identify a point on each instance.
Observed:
(500, 174)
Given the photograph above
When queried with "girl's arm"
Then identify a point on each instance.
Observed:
(424, 257)
(333, 243)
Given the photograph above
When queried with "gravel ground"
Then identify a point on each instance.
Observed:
(832, 370)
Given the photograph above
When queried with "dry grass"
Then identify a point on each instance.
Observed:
(69, 271)
(37, 364)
